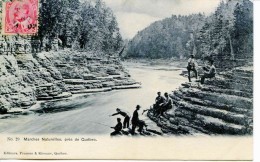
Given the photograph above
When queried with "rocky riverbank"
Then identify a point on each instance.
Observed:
(28, 78)
(223, 105)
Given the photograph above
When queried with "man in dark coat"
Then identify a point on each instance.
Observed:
(135, 119)
(117, 128)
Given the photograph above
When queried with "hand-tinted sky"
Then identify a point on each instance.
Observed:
(135, 15)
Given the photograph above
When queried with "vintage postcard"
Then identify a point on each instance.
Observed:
(126, 79)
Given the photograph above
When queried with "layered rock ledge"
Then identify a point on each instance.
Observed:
(223, 105)
(28, 78)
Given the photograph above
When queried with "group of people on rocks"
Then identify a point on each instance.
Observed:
(162, 103)
(136, 122)
(209, 69)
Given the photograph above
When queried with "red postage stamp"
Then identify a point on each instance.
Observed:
(20, 17)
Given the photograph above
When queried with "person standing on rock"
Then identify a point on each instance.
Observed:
(117, 128)
(192, 67)
(167, 103)
(210, 71)
(135, 119)
(125, 115)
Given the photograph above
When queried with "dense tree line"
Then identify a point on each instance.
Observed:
(228, 32)
(87, 25)
(171, 37)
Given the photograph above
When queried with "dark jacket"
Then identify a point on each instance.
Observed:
(124, 114)
(135, 117)
(159, 100)
(118, 127)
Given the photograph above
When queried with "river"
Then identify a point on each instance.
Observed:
(91, 116)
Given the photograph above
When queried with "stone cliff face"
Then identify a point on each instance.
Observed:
(26, 78)
(223, 105)
(14, 92)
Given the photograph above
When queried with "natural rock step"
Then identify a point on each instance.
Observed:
(27, 103)
(165, 128)
(218, 105)
(237, 77)
(44, 98)
(54, 93)
(188, 125)
(89, 77)
(206, 124)
(227, 91)
(209, 111)
(179, 129)
(19, 111)
(229, 85)
(236, 101)
(80, 81)
(119, 77)
(63, 95)
(92, 90)
(229, 78)
(108, 84)
(186, 118)
(190, 130)
(219, 126)
(236, 86)
(168, 126)
(5, 116)
(108, 78)
(245, 73)
(232, 84)
(76, 87)
(127, 87)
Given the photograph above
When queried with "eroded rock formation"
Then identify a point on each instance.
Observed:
(223, 105)
(27, 76)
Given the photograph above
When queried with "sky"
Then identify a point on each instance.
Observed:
(135, 15)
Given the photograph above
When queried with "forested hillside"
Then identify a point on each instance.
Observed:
(171, 37)
(228, 33)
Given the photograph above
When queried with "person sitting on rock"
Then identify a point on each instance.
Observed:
(192, 67)
(167, 104)
(209, 72)
(141, 125)
(117, 128)
(125, 115)
(159, 100)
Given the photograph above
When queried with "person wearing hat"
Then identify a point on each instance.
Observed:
(192, 67)
(125, 115)
(135, 118)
